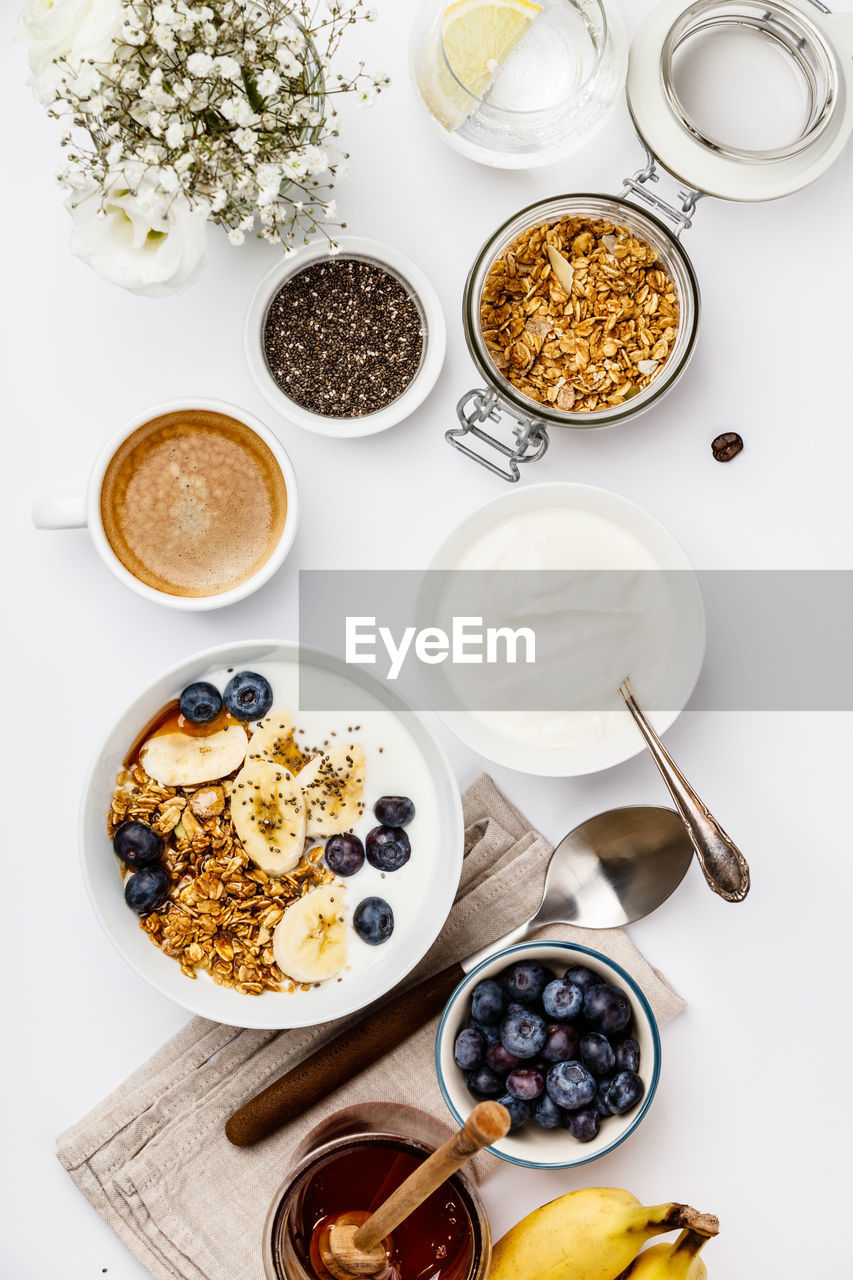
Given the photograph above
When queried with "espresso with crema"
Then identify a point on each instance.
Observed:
(193, 503)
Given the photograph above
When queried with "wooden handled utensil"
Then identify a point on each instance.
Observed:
(355, 1244)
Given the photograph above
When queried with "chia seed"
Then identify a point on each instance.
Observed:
(343, 338)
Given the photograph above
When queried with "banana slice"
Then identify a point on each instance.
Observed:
(182, 759)
(310, 941)
(268, 813)
(273, 739)
(333, 786)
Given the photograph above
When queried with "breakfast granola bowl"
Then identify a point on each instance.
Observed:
(219, 932)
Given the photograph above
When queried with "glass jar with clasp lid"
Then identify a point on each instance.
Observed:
(795, 55)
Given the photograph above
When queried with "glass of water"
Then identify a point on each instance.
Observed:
(517, 84)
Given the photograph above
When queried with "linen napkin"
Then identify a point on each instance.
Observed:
(153, 1158)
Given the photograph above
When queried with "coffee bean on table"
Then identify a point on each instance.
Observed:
(726, 446)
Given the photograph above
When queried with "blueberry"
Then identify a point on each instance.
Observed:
(147, 889)
(546, 1113)
(499, 1060)
(137, 844)
(394, 811)
(388, 848)
(200, 702)
(584, 1124)
(606, 1008)
(570, 1085)
(519, 1110)
(491, 1034)
(597, 1053)
(488, 1001)
(526, 1083)
(525, 981)
(628, 1056)
(563, 1043)
(624, 1092)
(582, 977)
(373, 921)
(600, 1100)
(562, 1000)
(523, 1033)
(484, 1083)
(469, 1049)
(344, 854)
(248, 696)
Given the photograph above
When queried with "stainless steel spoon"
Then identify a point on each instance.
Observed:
(613, 868)
(723, 864)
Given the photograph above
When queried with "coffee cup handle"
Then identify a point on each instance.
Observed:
(60, 513)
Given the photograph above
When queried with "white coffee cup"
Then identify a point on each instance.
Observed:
(84, 511)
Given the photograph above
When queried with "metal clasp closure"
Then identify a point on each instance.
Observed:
(477, 407)
(639, 186)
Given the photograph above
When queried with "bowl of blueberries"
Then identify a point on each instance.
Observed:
(562, 1037)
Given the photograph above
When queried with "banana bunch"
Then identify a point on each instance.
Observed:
(597, 1234)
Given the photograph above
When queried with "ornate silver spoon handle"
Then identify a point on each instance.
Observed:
(723, 864)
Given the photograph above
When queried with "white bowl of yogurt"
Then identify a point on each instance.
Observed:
(401, 758)
(608, 593)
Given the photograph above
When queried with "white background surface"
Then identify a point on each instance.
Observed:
(749, 1121)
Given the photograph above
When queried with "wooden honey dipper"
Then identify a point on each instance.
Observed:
(353, 1245)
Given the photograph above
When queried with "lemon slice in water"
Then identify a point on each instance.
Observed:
(476, 38)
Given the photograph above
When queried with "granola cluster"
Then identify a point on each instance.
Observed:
(221, 909)
(579, 314)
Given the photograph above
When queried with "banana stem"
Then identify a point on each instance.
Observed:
(690, 1242)
(656, 1219)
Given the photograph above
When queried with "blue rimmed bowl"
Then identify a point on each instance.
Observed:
(531, 1146)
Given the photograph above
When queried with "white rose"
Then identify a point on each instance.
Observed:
(149, 243)
(73, 29)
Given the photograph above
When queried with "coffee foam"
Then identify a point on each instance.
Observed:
(193, 503)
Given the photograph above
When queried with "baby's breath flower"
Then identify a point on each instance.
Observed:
(189, 111)
(246, 139)
(227, 67)
(199, 64)
(268, 82)
(175, 134)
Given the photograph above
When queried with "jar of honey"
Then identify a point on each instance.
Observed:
(350, 1164)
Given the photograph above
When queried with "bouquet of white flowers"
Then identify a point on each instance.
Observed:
(182, 112)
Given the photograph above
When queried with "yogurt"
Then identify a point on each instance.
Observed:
(607, 593)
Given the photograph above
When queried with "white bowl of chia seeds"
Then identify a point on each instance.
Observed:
(346, 342)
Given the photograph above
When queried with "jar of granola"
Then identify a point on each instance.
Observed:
(582, 310)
